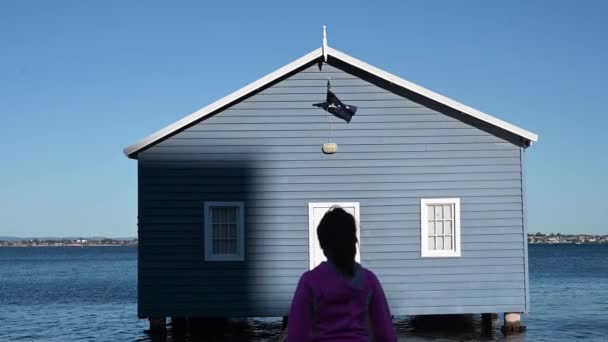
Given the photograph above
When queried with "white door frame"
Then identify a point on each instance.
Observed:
(312, 230)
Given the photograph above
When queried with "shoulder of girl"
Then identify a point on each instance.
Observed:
(370, 276)
(309, 276)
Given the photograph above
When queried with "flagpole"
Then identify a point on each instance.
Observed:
(326, 112)
(324, 46)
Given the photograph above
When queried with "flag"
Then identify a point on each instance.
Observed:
(333, 105)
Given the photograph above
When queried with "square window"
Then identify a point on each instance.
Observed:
(224, 231)
(440, 227)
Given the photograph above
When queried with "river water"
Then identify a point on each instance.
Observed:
(89, 294)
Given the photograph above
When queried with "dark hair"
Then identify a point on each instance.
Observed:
(337, 234)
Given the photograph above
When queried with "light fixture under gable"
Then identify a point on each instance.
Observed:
(329, 148)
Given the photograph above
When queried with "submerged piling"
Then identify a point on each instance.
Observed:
(158, 325)
(512, 324)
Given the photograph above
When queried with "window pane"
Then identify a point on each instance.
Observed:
(215, 233)
(232, 214)
(220, 234)
(439, 227)
(232, 231)
(225, 214)
(448, 243)
(431, 228)
(223, 246)
(231, 247)
(447, 228)
(431, 243)
(447, 211)
(431, 210)
(439, 243)
(438, 212)
(216, 246)
(215, 215)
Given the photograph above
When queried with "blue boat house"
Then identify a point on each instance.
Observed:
(229, 196)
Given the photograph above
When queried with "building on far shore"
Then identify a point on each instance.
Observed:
(567, 238)
(230, 196)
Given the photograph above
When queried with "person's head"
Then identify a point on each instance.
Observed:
(337, 234)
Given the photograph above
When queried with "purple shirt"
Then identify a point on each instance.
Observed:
(329, 306)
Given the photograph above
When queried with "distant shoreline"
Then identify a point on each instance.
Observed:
(568, 243)
(98, 242)
(533, 239)
(135, 245)
(66, 246)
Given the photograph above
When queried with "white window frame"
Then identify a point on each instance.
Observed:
(424, 228)
(240, 232)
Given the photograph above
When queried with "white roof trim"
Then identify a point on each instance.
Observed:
(200, 114)
(433, 96)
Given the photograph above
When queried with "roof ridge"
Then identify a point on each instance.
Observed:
(177, 126)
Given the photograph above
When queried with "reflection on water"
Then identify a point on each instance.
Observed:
(261, 329)
(445, 328)
(422, 328)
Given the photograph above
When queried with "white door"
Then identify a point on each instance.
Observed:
(315, 214)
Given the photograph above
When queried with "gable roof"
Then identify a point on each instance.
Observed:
(132, 150)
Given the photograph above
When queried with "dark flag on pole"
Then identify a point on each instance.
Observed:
(333, 105)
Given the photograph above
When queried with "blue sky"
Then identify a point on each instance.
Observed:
(81, 80)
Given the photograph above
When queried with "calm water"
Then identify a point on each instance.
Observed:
(89, 294)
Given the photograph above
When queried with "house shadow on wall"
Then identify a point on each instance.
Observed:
(175, 279)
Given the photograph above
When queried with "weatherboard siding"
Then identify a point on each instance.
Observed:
(266, 152)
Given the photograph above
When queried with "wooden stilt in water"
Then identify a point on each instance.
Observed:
(179, 325)
(489, 322)
(158, 325)
(512, 324)
(207, 327)
(283, 337)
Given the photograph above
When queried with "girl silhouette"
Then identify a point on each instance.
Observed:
(339, 300)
